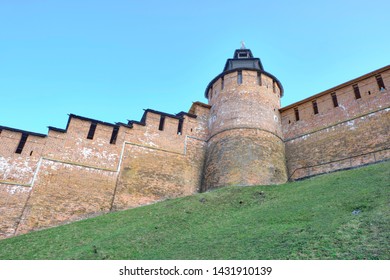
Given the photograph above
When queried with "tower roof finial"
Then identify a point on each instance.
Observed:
(243, 45)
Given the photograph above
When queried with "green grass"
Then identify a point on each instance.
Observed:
(310, 219)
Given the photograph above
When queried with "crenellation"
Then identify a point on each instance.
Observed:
(241, 137)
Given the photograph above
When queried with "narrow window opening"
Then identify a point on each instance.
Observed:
(180, 127)
(114, 134)
(31, 153)
(162, 121)
(296, 114)
(315, 107)
(91, 131)
(242, 55)
(274, 86)
(191, 129)
(289, 121)
(259, 78)
(356, 91)
(21, 144)
(222, 83)
(381, 84)
(369, 92)
(334, 99)
(239, 77)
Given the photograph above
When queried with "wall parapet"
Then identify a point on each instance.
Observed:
(337, 123)
(336, 88)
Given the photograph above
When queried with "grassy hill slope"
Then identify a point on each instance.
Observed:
(311, 219)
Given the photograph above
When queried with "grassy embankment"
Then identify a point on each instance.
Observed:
(310, 219)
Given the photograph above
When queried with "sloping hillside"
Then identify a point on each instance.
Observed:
(343, 215)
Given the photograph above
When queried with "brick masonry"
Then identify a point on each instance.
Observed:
(354, 133)
(245, 145)
(242, 137)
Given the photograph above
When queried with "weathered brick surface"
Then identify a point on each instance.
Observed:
(356, 132)
(143, 171)
(73, 146)
(245, 145)
(67, 177)
(65, 192)
(244, 157)
(360, 141)
(162, 164)
(12, 201)
(19, 168)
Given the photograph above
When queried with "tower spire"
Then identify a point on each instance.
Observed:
(243, 47)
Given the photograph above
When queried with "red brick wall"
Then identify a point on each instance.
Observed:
(354, 133)
(66, 192)
(12, 201)
(69, 177)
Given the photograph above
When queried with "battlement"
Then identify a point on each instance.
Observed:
(91, 166)
(357, 97)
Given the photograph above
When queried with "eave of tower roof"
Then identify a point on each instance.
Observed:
(243, 60)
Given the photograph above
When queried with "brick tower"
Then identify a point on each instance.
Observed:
(245, 144)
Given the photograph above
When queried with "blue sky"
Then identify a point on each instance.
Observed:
(109, 60)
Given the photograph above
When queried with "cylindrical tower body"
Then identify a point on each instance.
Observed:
(245, 145)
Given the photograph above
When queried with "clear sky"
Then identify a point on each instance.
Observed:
(110, 59)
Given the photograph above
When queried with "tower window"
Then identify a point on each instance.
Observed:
(259, 78)
(379, 80)
(356, 91)
(222, 83)
(296, 114)
(21, 144)
(242, 55)
(273, 86)
(239, 77)
(334, 99)
(162, 121)
(91, 131)
(114, 134)
(315, 107)
(180, 127)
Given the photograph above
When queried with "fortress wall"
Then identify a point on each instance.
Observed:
(12, 201)
(65, 192)
(356, 132)
(196, 126)
(158, 165)
(149, 175)
(360, 141)
(54, 147)
(69, 177)
(149, 134)
(349, 107)
(19, 168)
(16, 175)
(78, 149)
